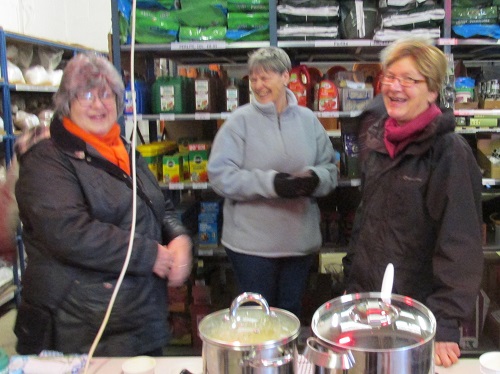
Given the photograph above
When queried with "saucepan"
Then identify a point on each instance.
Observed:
(372, 333)
(249, 339)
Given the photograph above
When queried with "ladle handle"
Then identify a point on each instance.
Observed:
(249, 297)
(387, 282)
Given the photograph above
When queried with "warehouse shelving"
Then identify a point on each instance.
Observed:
(477, 50)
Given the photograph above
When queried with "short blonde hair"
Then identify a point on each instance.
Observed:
(430, 61)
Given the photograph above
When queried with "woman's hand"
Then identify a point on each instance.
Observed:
(446, 353)
(182, 260)
(163, 262)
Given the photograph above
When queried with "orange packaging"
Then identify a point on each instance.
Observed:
(300, 85)
(328, 96)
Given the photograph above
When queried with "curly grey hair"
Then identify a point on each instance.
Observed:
(84, 72)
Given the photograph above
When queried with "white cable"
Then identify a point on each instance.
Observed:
(134, 196)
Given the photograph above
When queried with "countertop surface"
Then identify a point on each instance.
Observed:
(174, 365)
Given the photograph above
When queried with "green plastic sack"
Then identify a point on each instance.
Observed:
(201, 34)
(255, 35)
(156, 26)
(203, 15)
(474, 15)
(470, 3)
(247, 21)
(248, 5)
(185, 4)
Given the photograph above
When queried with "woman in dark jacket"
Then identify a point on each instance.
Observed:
(75, 196)
(421, 198)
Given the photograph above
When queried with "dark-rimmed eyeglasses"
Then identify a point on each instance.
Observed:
(87, 98)
(389, 79)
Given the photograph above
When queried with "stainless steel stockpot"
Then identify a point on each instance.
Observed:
(250, 339)
(368, 333)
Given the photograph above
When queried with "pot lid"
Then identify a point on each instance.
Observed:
(368, 321)
(242, 326)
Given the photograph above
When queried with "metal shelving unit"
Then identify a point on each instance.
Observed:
(481, 50)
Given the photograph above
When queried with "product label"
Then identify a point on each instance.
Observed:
(231, 99)
(327, 97)
(167, 98)
(201, 94)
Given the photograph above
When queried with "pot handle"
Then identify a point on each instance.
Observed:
(323, 355)
(269, 362)
(249, 297)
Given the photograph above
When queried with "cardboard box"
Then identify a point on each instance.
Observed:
(173, 170)
(178, 299)
(483, 122)
(180, 324)
(208, 234)
(485, 148)
(183, 143)
(199, 146)
(329, 123)
(209, 217)
(198, 312)
(467, 105)
(198, 161)
(210, 206)
(355, 98)
(489, 104)
(330, 262)
(201, 294)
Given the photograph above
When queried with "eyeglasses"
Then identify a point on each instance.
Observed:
(389, 79)
(86, 98)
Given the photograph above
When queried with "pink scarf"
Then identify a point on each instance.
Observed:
(397, 137)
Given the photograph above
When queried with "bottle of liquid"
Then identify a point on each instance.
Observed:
(142, 97)
(300, 84)
(204, 92)
(328, 95)
(232, 96)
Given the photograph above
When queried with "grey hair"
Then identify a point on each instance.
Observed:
(84, 72)
(272, 59)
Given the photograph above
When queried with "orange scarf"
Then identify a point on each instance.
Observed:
(110, 146)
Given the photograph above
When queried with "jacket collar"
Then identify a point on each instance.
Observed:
(442, 124)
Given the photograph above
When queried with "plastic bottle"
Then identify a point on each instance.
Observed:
(232, 95)
(328, 95)
(204, 92)
(142, 97)
(301, 85)
(169, 95)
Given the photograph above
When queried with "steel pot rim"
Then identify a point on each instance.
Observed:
(375, 295)
(225, 314)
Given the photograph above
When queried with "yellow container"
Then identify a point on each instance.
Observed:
(153, 153)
